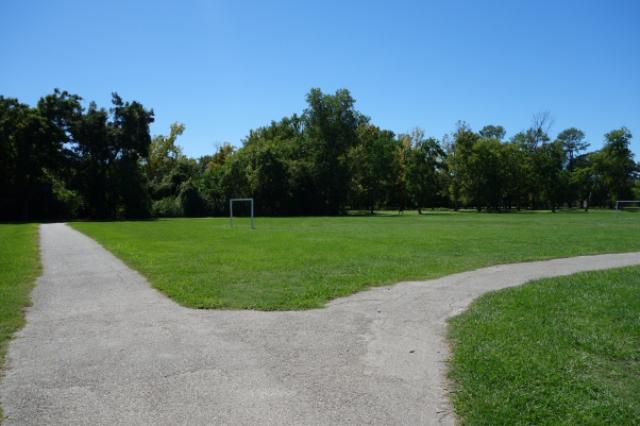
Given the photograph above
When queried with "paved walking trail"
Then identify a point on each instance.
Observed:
(102, 347)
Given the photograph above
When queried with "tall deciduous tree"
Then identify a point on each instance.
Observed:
(60, 159)
(493, 132)
(573, 143)
(331, 123)
(426, 168)
(459, 162)
(164, 153)
(548, 162)
(111, 154)
(372, 160)
(615, 164)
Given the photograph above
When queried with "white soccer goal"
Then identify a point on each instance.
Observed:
(241, 200)
(621, 203)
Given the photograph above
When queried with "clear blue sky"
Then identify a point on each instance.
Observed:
(224, 67)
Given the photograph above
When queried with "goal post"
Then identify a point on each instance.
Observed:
(621, 203)
(241, 200)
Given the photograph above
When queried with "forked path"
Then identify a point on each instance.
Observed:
(101, 347)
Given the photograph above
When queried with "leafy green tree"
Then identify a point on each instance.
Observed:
(269, 177)
(331, 123)
(372, 160)
(552, 181)
(235, 179)
(168, 171)
(31, 143)
(11, 113)
(59, 159)
(486, 185)
(583, 182)
(272, 153)
(537, 161)
(111, 154)
(616, 165)
(573, 143)
(426, 169)
(399, 191)
(211, 184)
(95, 157)
(493, 132)
(34, 159)
(61, 111)
(220, 158)
(636, 189)
(517, 170)
(164, 154)
(461, 179)
(192, 203)
(131, 141)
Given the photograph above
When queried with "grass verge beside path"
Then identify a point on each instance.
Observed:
(556, 351)
(300, 263)
(19, 267)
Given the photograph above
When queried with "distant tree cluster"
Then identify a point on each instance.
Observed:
(60, 160)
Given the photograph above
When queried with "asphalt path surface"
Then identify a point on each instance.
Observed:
(101, 347)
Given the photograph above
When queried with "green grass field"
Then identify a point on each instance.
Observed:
(552, 352)
(298, 263)
(19, 267)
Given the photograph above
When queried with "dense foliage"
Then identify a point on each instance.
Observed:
(60, 159)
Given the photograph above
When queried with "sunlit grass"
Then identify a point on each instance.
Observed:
(19, 267)
(553, 352)
(299, 263)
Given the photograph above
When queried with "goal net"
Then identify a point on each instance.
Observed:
(628, 204)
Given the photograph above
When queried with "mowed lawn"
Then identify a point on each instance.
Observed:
(557, 351)
(294, 263)
(297, 263)
(19, 267)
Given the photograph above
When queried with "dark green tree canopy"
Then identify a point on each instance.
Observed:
(493, 132)
(573, 144)
(62, 159)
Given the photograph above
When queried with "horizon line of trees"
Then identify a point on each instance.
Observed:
(62, 160)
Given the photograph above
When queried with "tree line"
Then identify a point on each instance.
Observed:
(59, 159)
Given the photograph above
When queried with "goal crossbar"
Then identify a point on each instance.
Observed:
(621, 203)
(241, 200)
